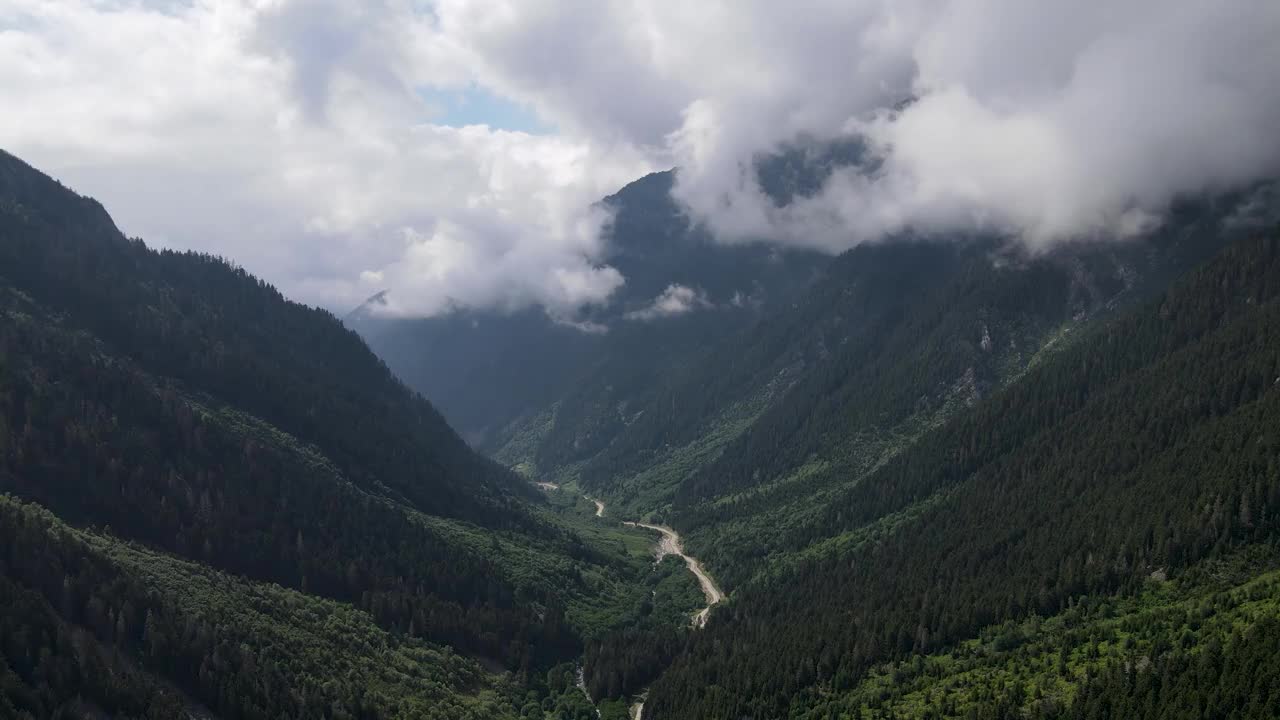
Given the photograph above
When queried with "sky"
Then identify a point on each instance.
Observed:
(452, 152)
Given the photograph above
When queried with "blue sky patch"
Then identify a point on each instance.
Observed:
(475, 105)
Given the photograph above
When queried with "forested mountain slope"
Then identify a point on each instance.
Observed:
(942, 340)
(212, 326)
(1145, 447)
(78, 605)
(892, 339)
(175, 401)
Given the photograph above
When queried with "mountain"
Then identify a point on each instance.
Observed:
(1141, 454)
(945, 476)
(813, 461)
(885, 341)
(215, 497)
(493, 373)
(897, 340)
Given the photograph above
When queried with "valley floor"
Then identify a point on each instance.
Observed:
(668, 544)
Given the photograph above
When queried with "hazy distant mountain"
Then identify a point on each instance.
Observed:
(683, 290)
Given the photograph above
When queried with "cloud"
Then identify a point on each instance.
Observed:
(675, 300)
(1115, 110)
(323, 43)
(307, 139)
(1044, 120)
(294, 137)
(589, 327)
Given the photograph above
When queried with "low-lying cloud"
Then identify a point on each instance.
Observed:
(1044, 120)
(676, 299)
(299, 137)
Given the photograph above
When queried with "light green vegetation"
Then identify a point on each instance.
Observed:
(1040, 663)
(320, 650)
(523, 436)
(649, 492)
(625, 588)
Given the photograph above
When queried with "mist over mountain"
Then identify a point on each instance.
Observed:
(453, 154)
(487, 369)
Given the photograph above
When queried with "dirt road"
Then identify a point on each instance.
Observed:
(670, 545)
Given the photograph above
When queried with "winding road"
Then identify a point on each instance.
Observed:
(668, 544)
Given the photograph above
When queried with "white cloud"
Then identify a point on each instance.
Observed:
(676, 299)
(585, 326)
(293, 135)
(1047, 120)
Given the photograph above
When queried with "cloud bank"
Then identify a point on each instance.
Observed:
(1045, 120)
(300, 137)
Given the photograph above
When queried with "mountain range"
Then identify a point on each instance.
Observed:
(936, 476)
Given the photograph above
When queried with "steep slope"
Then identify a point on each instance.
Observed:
(954, 338)
(174, 401)
(1146, 445)
(290, 365)
(245, 649)
(892, 339)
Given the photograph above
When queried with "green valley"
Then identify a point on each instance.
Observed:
(941, 479)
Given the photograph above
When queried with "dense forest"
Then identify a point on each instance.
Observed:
(1146, 446)
(244, 650)
(886, 340)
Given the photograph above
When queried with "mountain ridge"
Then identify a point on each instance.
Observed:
(174, 409)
